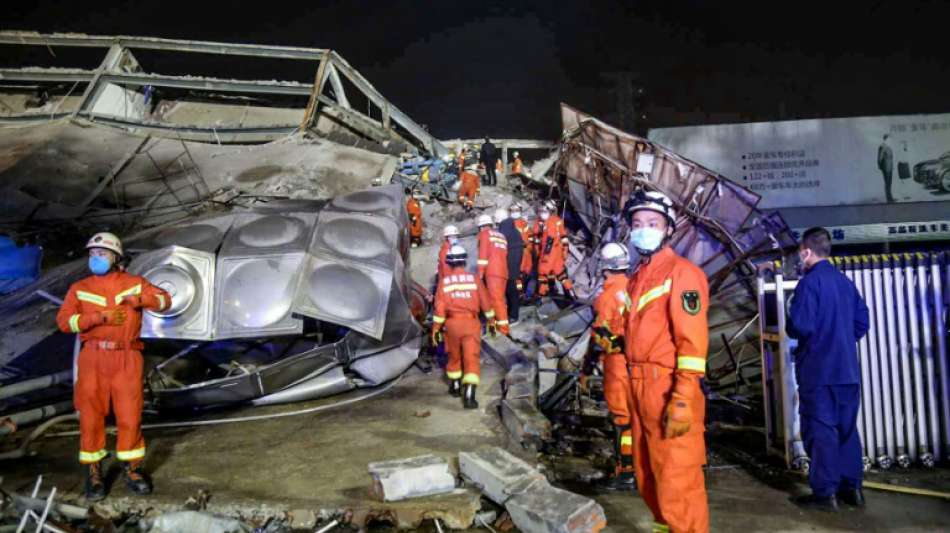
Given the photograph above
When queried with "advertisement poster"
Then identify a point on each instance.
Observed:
(825, 162)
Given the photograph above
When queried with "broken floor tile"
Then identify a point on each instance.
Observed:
(547, 509)
(498, 473)
(410, 478)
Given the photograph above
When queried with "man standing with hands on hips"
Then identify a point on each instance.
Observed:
(827, 316)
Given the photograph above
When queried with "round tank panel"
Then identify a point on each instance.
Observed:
(181, 281)
(270, 231)
(344, 292)
(187, 236)
(364, 201)
(257, 294)
(355, 237)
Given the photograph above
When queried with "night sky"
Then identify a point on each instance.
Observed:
(474, 68)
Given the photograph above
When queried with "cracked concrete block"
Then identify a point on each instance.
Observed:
(410, 478)
(524, 421)
(547, 509)
(498, 473)
(505, 351)
(521, 390)
(523, 372)
(547, 372)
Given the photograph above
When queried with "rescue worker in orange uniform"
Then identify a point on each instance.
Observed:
(105, 309)
(493, 268)
(450, 235)
(553, 243)
(526, 260)
(461, 158)
(468, 188)
(611, 308)
(517, 167)
(415, 218)
(459, 297)
(666, 340)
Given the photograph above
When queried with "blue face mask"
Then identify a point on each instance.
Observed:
(647, 239)
(99, 265)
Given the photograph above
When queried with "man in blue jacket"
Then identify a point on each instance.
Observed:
(827, 316)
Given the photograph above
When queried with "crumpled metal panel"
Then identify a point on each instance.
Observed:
(254, 233)
(357, 237)
(188, 276)
(400, 327)
(205, 235)
(345, 292)
(254, 295)
(386, 201)
(384, 366)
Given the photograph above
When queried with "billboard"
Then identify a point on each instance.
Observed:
(825, 162)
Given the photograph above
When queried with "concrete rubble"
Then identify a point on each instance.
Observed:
(534, 505)
(402, 479)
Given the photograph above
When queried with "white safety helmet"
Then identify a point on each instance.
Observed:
(614, 256)
(107, 241)
(484, 220)
(550, 206)
(456, 256)
(500, 215)
(450, 231)
(651, 201)
(515, 154)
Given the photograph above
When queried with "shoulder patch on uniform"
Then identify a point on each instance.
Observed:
(691, 302)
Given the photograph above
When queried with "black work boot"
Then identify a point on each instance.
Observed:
(136, 480)
(620, 481)
(851, 496)
(468, 397)
(455, 387)
(95, 486)
(817, 503)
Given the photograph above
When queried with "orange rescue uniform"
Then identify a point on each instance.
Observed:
(110, 362)
(526, 260)
(415, 219)
(442, 266)
(553, 244)
(493, 268)
(468, 189)
(666, 339)
(458, 298)
(611, 308)
(517, 167)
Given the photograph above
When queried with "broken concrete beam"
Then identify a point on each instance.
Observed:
(547, 509)
(521, 390)
(503, 350)
(410, 478)
(498, 473)
(524, 422)
(547, 372)
(523, 372)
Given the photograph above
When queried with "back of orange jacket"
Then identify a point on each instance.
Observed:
(492, 253)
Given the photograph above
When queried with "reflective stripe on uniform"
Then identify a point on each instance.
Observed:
(161, 302)
(132, 291)
(660, 528)
(438, 319)
(91, 457)
(453, 375)
(483, 261)
(502, 322)
(91, 298)
(490, 314)
(460, 287)
(654, 293)
(626, 440)
(131, 455)
(471, 379)
(696, 364)
(74, 323)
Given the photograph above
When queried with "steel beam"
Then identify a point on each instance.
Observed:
(209, 84)
(512, 144)
(153, 43)
(338, 88)
(46, 74)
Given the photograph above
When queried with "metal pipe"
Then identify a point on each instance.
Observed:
(879, 449)
(767, 404)
(863, 353)
(893, 385)
(927, 336)
(862, 364)
(904, 356)
(916, 360)
(940, 328)
(37, 414)
(883, 368)
(29, 385)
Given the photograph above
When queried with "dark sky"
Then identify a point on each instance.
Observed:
(501, 68)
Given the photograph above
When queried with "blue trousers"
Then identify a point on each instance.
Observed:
(829, 428)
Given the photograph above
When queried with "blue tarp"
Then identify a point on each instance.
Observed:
(19, 266)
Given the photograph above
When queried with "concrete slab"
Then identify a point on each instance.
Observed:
(498, 473)
(413, 477)
(547, 509)
(524, 422)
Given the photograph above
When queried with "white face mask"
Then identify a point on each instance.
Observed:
(516, 215)
(544, 215)
(647, 239)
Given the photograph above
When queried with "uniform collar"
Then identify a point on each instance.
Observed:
(824, 264)
(660, 257)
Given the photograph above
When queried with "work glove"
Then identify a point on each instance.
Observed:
(113, 317)
(492, 327)
(437, 336)
(678, 416)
